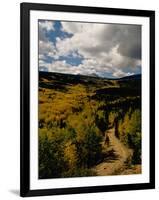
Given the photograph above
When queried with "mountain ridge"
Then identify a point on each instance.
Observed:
(132, 77)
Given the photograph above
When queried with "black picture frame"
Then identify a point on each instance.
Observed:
(25, 9)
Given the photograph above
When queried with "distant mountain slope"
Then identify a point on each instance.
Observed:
(132, 77)
(83, 78)
(54, 80)
(127, 85)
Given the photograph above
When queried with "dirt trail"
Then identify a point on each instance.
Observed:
(117, 157)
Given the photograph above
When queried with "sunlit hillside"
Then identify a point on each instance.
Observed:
(75, 113)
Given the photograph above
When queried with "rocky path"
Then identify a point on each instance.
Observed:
(117, 157)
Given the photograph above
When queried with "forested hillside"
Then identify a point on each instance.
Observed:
(75, 113)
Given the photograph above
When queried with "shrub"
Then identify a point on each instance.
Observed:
(51, 160)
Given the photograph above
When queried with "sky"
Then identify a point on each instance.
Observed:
(105, 50)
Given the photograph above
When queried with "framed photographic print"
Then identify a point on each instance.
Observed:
(87, 99)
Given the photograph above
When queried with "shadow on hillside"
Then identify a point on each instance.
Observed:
(110, 156)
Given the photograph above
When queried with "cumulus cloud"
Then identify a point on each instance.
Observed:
(45, 45)
(119, 73)
(96, 38)
(112, 48)
(46, 25)
(63, 67)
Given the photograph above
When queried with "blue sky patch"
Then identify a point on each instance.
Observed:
(57, 32)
